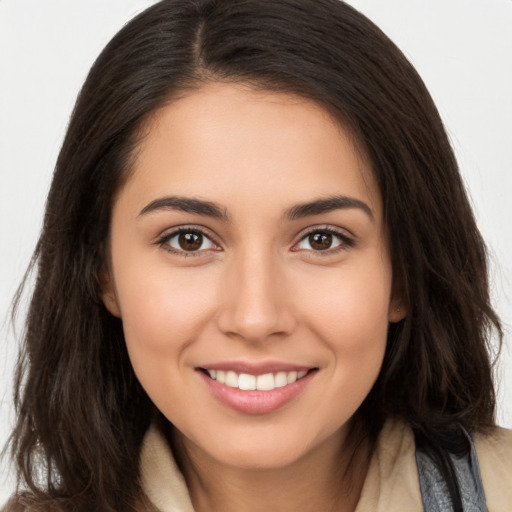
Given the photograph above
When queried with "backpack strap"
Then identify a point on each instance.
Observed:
(463, 469)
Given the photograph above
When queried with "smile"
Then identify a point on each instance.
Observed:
(248, 382)
(250, 389)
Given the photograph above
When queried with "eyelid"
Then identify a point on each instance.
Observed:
(163, 239)
(348, 239)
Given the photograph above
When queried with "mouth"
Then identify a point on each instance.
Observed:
(262, 382)
(261, 390)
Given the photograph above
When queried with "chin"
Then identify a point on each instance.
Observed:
(267, 447)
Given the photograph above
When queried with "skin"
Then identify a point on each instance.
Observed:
(259, 291)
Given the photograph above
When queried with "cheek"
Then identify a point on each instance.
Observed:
(348, 309)
(352, 323)
(163, 309)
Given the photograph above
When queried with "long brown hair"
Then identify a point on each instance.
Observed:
(81, 413)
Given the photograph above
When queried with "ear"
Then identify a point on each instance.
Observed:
(397, 310)
(108, 293)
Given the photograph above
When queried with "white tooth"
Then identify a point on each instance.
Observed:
(280, 379)
(231, 379)
(221, 376)
(301, 374)
(246, 382)
(265, 382)
(213, 373)
(291, 377)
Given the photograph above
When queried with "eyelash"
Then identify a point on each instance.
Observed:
(163, 241)
(346, 241)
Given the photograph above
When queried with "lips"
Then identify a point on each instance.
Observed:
(256, 389)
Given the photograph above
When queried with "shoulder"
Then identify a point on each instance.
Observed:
(392, 478)
(494, 451)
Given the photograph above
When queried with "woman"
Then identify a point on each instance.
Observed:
(260, 284)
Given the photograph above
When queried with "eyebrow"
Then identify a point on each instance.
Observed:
(328, 204)
(210, 209)
(186, 204)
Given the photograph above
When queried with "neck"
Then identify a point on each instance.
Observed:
(329, 478)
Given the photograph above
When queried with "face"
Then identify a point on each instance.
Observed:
(250, 268)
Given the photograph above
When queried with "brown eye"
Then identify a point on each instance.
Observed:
(320, 241)
(324, 240)
(189, 241)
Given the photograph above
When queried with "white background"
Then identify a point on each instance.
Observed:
(462, 49)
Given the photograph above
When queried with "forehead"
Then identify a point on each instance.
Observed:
(232, 143)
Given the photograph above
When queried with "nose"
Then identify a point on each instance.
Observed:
(255, 305)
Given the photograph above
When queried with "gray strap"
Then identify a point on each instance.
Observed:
(434, 491)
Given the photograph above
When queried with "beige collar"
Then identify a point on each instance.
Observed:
(161, 479)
